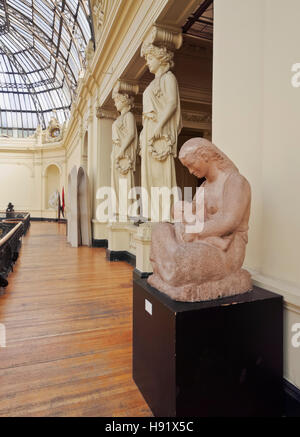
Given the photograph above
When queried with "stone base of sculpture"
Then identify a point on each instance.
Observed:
(221, 358)
(120, 236)
(235, 283)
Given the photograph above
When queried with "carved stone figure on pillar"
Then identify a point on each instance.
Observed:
(124, 140)
(89, 54)
(190, 265)
(161, 114)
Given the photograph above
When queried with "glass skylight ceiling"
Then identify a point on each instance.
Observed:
(42, 46)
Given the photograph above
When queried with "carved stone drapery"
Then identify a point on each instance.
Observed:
(89, 54)
(124, 139)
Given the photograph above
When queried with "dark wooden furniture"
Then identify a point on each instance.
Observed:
(214, 358)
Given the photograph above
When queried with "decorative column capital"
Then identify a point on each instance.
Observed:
(125, 87)
(163, 36)
(106, 113)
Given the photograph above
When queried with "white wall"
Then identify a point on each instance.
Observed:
(74, 158)
(238, 97)
(24, 177)
(16, 186)
(256, 122)
(281, 140)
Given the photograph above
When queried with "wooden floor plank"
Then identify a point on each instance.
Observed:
(68, 318)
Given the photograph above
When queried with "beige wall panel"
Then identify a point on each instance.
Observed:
(16, 186)
(237, 100)
(74, 158)
(256, 122)
(281, 140)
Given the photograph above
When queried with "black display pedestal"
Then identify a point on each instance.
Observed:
(208, 359)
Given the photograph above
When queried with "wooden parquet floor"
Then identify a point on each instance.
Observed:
(68, 319)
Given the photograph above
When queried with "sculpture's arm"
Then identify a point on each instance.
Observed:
(130, 125)
(170, 104)
(237, 196)
(141, 139)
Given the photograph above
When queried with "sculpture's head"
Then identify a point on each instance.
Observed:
(199, 154)
(123, 101)
(157, 57)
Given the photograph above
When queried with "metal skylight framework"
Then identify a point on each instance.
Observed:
(42, 50)
(201, 23)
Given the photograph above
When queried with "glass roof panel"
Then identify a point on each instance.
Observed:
(42, 45)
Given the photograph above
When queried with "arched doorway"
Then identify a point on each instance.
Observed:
(52, 183)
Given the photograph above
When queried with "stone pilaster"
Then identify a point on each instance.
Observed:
(101, 163)
(143, 246)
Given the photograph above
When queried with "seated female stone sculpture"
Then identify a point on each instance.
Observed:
(207, 264)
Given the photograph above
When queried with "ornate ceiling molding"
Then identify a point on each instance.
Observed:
(99, 15)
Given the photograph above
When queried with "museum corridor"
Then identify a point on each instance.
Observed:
(121, 300)
(67, 314)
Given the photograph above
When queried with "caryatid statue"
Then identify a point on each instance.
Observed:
(124, 140)
(161, 115)
(191, 264)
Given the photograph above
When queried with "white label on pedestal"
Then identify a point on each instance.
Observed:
(148, 306)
